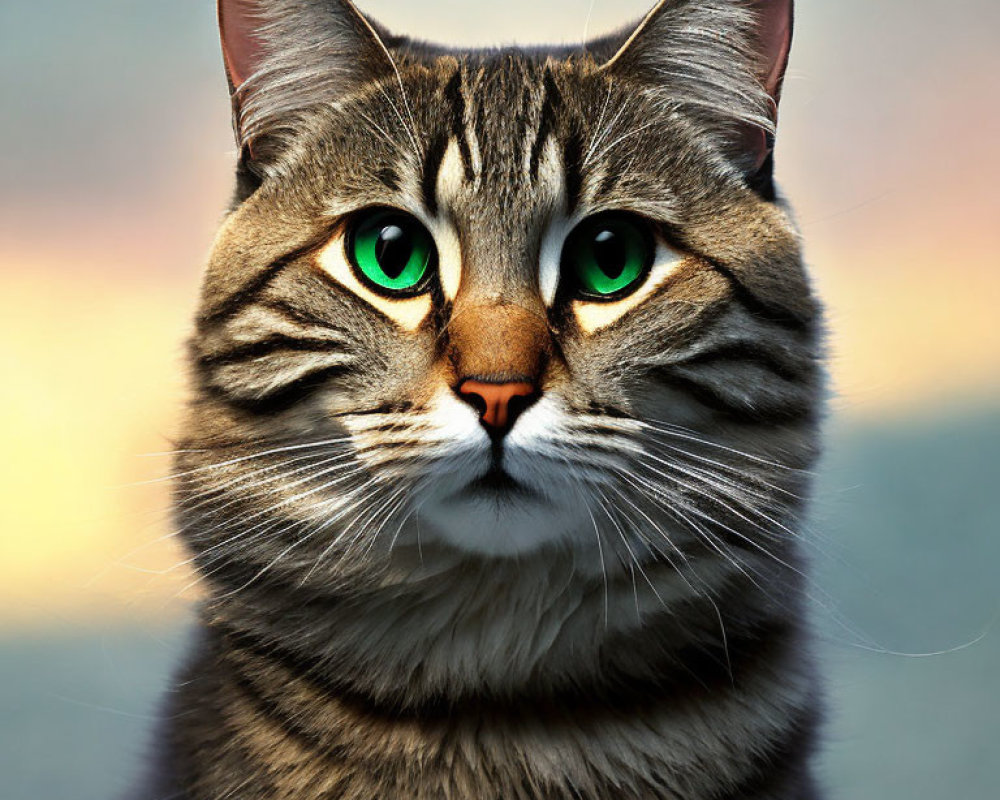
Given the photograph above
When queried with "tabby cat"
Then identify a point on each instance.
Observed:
(507, 377)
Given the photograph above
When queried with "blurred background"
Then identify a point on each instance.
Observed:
(115, 162)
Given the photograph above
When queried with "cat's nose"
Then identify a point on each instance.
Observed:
(499, 404)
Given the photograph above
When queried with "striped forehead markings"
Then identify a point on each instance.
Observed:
(459, 130)
(552, 166)
(551, 102)
(439, 147)
(570, 148)
(467, 130)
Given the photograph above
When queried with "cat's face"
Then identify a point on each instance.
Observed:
(498, 303)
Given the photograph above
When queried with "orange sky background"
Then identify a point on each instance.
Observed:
(115, 161)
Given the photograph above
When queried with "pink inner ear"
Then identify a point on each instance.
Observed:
(775, 23)
(754, 141)
(241, 49)
(775, 20)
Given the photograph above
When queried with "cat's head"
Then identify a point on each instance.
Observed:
(498, 301)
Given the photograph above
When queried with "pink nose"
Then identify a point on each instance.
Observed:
(498, 404)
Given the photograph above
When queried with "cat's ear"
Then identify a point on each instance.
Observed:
(724, 61)
(285, 55)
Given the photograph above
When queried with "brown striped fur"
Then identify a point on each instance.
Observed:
(621, 616)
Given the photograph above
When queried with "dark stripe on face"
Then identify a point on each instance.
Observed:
(388, 178)
(292, 313)
(453, 94)
(281, 398)
(741, 293)
(572, 165)
(756, 305)
(432, 166)
(249, 292)
(275, 343)
(551, 103)
(748, 352)
(753, 410)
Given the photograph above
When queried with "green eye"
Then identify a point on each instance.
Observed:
(392, 252)
(609, 255)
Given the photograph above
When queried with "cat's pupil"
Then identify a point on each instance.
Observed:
(611, 253)
(394, 249)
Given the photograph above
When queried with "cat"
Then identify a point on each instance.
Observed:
(507, 379)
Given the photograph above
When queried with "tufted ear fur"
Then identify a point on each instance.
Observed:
(284, 55)
(723, 62)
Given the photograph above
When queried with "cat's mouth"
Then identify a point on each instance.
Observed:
(497, 483)
(502, 508)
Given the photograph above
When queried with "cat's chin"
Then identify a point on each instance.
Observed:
(493, 516)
